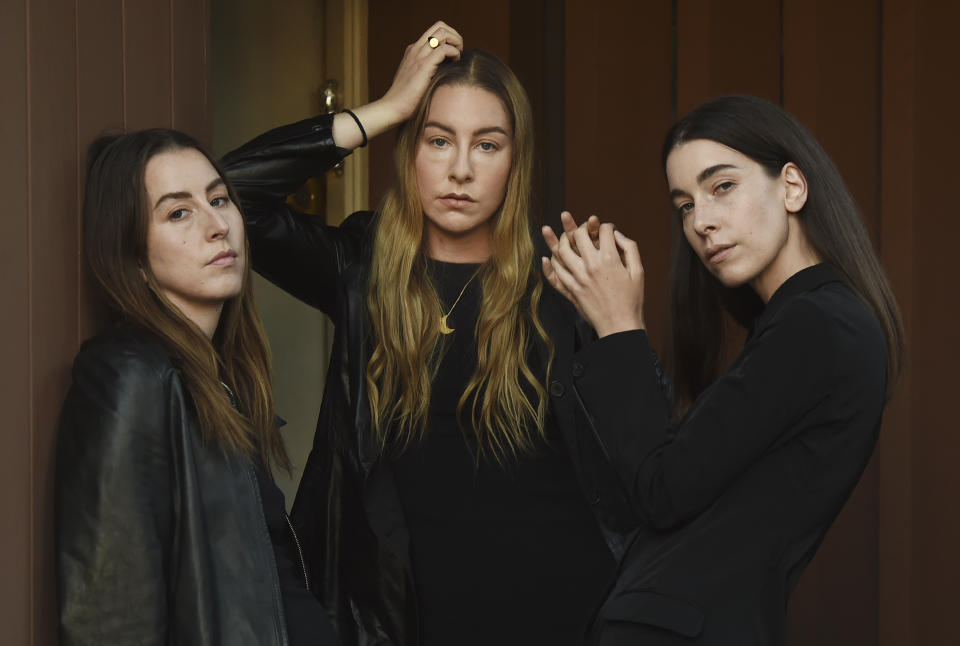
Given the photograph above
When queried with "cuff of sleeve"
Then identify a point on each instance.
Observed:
(294, 139)
(618, 378)
(621, 357)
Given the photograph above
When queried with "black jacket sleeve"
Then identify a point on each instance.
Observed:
(297, 252)
(114, 501)
(783, 373)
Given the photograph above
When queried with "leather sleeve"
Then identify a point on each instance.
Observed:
(746, 412)
(297, 252)
(115, 509)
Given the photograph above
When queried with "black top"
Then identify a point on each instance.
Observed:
(307, 620)
(744, 490)
(502, 553)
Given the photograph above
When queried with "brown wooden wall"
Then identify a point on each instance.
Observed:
(70, 70)
(919, 521)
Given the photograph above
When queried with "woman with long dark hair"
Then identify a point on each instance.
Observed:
(739, 479)
(454, 495)
(170, 529)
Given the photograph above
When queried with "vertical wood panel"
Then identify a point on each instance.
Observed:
(692, 47)
(730, 47)
(354, 192)
(936, 341)
(832, 84)
(831, 62)
(618, 108)
(53, 267)
(553, 150)
(148, 86)
(190, 28)
(745, 53)
(835, 602)
(394, 25)
(897, 190)
(15, 489)
(63, 70)
(527, 50)
(99, 109)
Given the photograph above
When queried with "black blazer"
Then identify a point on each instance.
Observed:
(737, 500)
(347, 511)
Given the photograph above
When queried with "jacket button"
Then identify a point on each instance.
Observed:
(595, 498)
(556, 389)
(577, 369)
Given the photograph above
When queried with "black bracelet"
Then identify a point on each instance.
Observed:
(359, 125)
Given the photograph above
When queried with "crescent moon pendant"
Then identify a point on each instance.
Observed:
(444, 328)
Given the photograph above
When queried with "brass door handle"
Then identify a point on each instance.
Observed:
(330, 96)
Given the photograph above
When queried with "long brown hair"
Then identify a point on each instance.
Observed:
(115, 224)
(772, 137)
(405, 310)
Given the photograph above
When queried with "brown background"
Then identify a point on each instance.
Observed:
(874, 80)
(69, 71)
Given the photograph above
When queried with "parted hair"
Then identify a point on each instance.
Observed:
(405, 309)
(116, 217)
(772, 137)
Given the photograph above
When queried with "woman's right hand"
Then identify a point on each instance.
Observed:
(417, 67)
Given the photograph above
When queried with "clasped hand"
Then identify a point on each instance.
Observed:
(598, 269)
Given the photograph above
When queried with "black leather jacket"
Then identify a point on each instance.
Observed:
(160, 538)
(347, 510)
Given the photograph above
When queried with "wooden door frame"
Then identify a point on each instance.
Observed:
(346, 51)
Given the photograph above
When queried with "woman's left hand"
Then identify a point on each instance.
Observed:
(604, 280)
(417, 67)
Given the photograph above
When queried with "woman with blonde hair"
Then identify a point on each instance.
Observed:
(454, 495)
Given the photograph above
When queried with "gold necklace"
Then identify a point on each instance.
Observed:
(444, 328)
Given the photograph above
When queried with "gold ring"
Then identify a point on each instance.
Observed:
(434, 42)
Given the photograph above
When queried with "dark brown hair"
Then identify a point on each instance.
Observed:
(115, 224)
(772, 137)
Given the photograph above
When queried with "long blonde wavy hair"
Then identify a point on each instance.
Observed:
(405, 309)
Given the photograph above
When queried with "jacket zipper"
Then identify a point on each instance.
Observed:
(280, 623)
(303, 562)
(281, 626)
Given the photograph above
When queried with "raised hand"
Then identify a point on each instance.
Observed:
(601, 275)
(417, 67)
